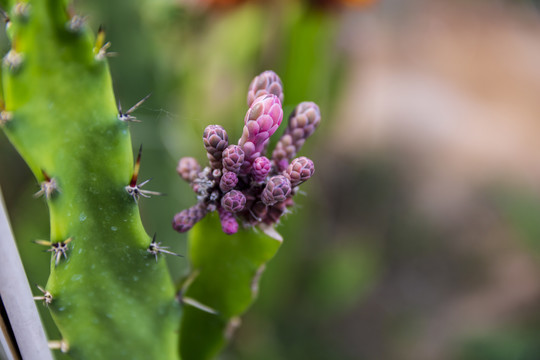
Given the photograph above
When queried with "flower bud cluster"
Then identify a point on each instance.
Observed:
(240, 183)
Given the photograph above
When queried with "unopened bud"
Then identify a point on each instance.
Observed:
(277, 189)
(233, 201)
(188, 168)
(228, 181)
(215, 140)
(186, 219)
(265, 83)
(261, 121)
(300, 170)
(260, 168)
(233, 158)
(229, 225)
(305, 118)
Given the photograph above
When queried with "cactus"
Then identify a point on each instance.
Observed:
(106, 292)
(109, 291)
(248, 189)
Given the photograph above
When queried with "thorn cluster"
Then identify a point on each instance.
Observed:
(155, 248)
(134, 189)
(241, 183)
(46, 297)
(58, 249)
(47, 187)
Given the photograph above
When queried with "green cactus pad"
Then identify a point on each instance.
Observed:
(111, 299)
(226, 271)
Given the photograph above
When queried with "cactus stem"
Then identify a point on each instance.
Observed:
(127, 115)
(47, 296)
(5, 116)
(59, 249)
(13, 60)
(48, 187)
(155, 248)
(61, 345)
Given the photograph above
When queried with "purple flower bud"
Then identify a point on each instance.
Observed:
(215, 140)
(233, 201)
(300, 170)
(229, 225)
(188, 168)
(265, 83)
(233, 158)
(260, 168)
(303, 121)
(261, 121)
(277, 190)
(228, 181)
(185, 219)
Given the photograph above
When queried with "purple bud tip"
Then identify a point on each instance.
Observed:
(233, 158)
(260, 168)
(261, 121)
(228, 181)
(188, 168)
(215, 140)
(277, 190)
(186, 219)
(233, 201)
(268, 82)
(300, 170)
(229, 225)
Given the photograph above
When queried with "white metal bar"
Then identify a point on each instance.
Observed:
(17, 297)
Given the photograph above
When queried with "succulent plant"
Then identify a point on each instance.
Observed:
(109, 290)
(106, 292)
(248, 191)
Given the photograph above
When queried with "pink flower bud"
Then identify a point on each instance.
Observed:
(215, 140)
(277, 190)
(300, 170)
(265, 83)
(229, 225)
(260, 168)
(228, 181)
(303, 122)
(233, 201)
(261, 121)
(185, 219)
(233, 158)
(188, 168)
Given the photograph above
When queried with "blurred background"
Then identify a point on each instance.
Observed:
(419, 236)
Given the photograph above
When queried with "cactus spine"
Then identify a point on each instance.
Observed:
(110, 298)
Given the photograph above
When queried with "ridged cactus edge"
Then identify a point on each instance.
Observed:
(107, 293)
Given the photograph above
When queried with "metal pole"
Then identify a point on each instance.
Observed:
(17, 297)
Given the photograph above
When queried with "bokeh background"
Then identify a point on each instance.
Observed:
(419, 236)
